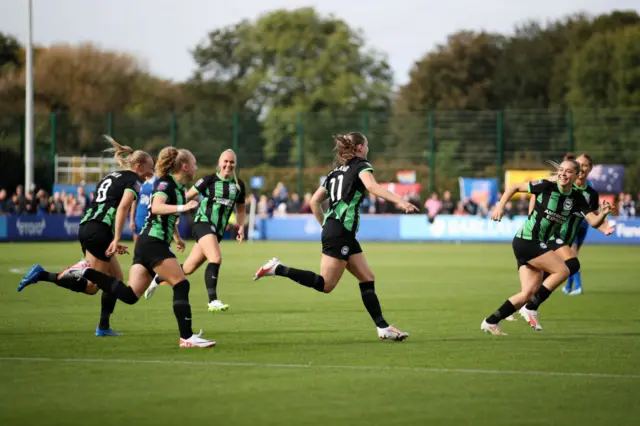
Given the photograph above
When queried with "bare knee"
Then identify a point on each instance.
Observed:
(329, 285)
(91, 289)
(215, 258)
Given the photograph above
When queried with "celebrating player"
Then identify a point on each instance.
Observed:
(555, 204)
(153, 253)
(566, 241)
(345, 187)
(101, 229)
(221, 191)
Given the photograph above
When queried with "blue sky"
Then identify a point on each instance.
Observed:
(161, 32)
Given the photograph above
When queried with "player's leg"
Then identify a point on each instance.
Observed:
(108, 303)
(208, 245)
(331, 270)
(173, 274)
(359, 268)
(529, 280)
(577, 277)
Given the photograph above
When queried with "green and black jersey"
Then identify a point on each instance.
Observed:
(220, 197)
(162, 226)
(109, 192)
(567, 232)
(552, 210)
(346, 192)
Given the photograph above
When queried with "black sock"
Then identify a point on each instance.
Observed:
(542, 295)
(306, 278)
(108, 304)
(370, 300)
(111, 285)
(79, 285)
(211, 280)
(182, 308)
(504, 311)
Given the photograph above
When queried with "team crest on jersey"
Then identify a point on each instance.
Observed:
(162, 186)
(232, 189)
(568, 204)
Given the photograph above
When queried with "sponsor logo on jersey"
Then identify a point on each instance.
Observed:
(198, 183)
(223, 201)
(162, 186)
(555, 217)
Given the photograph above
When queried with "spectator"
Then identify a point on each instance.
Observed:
(293, 205)
(57, 204)
(626, 207)
(42, 202)
(264, 207)
(509, 211)
(13, 206)
(72, 207)
(522, 208)
(306, 204)
(279, 194)
(21, 199)
(470, 206)
(447, 204)
(483, 208)
(460, 210)
(3, 202)
(31, 206)
(83, 200)
(433, 205)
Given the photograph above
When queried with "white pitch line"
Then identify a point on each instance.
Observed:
(324, 367)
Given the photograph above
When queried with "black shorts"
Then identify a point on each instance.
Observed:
(201, 229)
(150, 251)
(556, 243)
(337, 242)
(95, 238)
(525, 250)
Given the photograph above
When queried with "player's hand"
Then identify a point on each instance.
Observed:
(180, 245)
(606, 207)
(132, 226)
(498, 212)
(116, 247)
(191, 205)
(240, 236)
(609, 230)
(406, 206)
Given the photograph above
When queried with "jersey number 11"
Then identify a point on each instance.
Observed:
(336, 196)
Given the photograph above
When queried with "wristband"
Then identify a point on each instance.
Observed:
(180, 208)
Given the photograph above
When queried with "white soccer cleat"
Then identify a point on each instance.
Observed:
(531, 317)
(491, 328)
(75, 271)
(576, 292)
(391, 333)
(511, 318)
(196, 341)
(217, 306)
(268, 269)
(148, 294)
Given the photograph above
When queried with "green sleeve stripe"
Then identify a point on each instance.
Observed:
(135, 194)
(159, 192)
(529, 187)
(367, 169)
(195, 189)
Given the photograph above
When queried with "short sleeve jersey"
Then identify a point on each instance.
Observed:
(553, 208)
(220, 197)
(346, 192)
(567, 232)
(109, 192)
(161, 226)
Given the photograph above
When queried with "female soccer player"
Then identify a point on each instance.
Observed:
(101, 229)
(222, 192)
(566, 238)
(345, 186)
(555, 204)
(140, 208)
(153, 253)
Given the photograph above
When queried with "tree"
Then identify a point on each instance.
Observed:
(10, 52)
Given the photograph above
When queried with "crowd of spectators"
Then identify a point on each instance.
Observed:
(40, 202)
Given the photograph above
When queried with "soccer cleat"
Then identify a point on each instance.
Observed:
(577, 292)
(148, 294)
(511, 318)
(196, 341)
(531, 317)
(491, 328)
(392, 333)
(31, 277)
(75, 271)
(566, 290)
(106, 333)
(217, 306)
(268, 269)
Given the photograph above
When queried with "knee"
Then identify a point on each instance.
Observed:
(215, 258)
(563, 272)
(329, 286)
(91, 289)
(573, 265)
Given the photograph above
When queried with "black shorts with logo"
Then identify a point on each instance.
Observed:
(201, 229)
(556, 243)
(525, 250)
(150, 251)
(337, 242)
(95, 238)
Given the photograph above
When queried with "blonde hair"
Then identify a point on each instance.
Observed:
(346, 146)
(235, 178)
(125, 156)
(170, 160)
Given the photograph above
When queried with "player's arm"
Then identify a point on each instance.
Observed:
(160, 207)
(132, 214)
(316, 204)
(127, 200)
(498, 211)
(192, 194)
(374, 187)
(199, 188)
(597, 219)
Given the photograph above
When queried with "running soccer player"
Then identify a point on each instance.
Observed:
(101, 229)
(555, 204)
(153, 253)
(222, 192)
(345, 187)
(565, 240)
(140, 208)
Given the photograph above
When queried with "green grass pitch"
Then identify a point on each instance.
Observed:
(288, 355)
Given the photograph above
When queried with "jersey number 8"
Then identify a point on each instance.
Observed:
(102, 191)
(336, 196)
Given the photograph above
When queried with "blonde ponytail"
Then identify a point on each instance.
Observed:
(124, 155)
